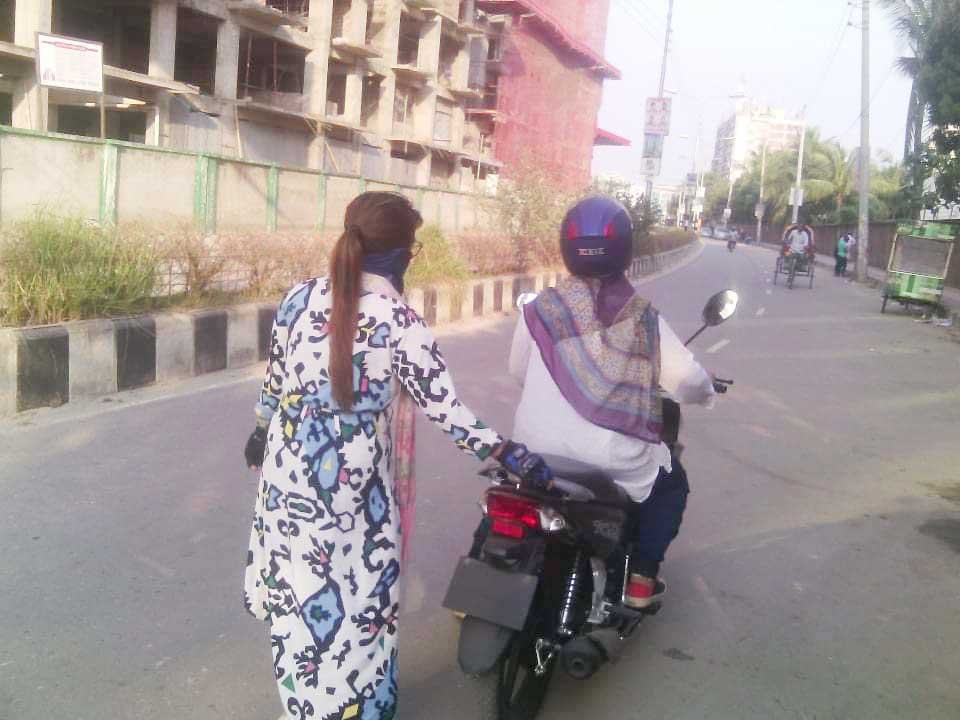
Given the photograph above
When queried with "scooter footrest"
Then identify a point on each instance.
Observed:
(629, 613)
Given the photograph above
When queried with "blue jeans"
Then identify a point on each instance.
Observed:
(655, 522)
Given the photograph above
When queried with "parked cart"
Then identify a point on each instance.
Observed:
(919, 258)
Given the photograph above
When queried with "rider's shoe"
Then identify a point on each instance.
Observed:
(643, 591)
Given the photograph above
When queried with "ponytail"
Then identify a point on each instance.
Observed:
(345, 269)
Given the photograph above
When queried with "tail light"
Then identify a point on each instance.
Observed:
(511, 515)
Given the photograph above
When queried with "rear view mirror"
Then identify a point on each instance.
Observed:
(524, 298)
(720, 307)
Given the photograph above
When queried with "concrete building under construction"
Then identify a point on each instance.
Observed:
(439, 93)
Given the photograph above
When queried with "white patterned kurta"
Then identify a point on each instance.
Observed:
(323, 564)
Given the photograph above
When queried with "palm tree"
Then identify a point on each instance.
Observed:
(913, 19)
(832, 173)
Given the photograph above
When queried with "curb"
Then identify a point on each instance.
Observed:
(88, 359)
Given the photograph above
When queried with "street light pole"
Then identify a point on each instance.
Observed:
(797, 192)
(663, 80)
(863, 229)
(760, 207)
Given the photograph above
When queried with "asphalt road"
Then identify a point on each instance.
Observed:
(816, 575)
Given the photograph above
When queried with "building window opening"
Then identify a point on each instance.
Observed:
(123, 28)
(494, 49)
(127, 125)
(196, 54)
(297, 8)
(449, 50)
(404, 105)
(6, 109)
(405, 163)
(337, 89)
(370, 101)
(443, 121)
(408, 50)
(375, 24)
(442, 172)
(6, 20)
(269, 68)
(341, 8)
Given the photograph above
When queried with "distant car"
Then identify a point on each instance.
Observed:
(722, 234)
(706, 232)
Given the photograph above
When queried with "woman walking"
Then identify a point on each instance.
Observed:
(349, 361)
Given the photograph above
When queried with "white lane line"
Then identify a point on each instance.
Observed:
(717, 346)
(761, 311)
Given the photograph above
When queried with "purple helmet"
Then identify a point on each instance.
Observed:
(596, 238)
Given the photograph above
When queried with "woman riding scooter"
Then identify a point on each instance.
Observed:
(594, 357)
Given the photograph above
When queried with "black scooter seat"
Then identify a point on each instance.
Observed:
(592, 478)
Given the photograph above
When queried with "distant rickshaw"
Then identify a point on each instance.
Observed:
(797, 254)
(919, 258)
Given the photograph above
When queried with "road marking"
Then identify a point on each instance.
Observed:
(717, 346)
(761, 311)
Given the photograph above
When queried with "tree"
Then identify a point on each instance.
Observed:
(832, 174)
(939, 82)
(914, 21)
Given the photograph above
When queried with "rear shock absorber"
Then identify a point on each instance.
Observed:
(571, 595)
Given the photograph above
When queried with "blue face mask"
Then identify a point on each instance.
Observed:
(391, 264)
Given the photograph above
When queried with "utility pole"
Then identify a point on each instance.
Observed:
(798, 192)
(663, 80)
(863, 229)
(760, 207)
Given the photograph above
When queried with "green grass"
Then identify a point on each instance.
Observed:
(55, 268)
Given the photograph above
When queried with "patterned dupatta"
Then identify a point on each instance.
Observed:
(402, 435)
(608, 373)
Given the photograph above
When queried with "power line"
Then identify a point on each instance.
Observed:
(650, 17)
(640, 22)
(872, 98)
(832, 57)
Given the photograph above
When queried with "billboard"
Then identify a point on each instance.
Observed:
(69, 63)
(657, 116)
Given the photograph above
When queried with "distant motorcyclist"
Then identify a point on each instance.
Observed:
(593, 355)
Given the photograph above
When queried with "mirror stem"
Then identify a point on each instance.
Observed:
(695, 335)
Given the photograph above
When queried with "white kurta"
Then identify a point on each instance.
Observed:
(547, 423)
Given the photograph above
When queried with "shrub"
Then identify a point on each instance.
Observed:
(438, 261)
(63, 268)
(531, 206)
(487, 254)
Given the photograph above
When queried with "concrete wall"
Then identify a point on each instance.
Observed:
(140, 195)
(126, 182)
(67, 172)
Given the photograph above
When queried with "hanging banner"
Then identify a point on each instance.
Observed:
(657, 116)
(69, 63)
(652, 146)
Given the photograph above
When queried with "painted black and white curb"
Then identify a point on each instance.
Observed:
(55, 364)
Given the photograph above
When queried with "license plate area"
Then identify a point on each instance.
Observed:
(498, 596)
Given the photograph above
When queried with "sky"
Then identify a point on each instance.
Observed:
(789, 54)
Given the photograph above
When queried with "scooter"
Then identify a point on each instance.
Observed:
(732, 244)
(544, 583)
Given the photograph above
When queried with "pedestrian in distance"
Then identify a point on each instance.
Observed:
(840, 267)
(349, 362)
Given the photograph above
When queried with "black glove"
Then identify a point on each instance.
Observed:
(529, 466)
(256, 446)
